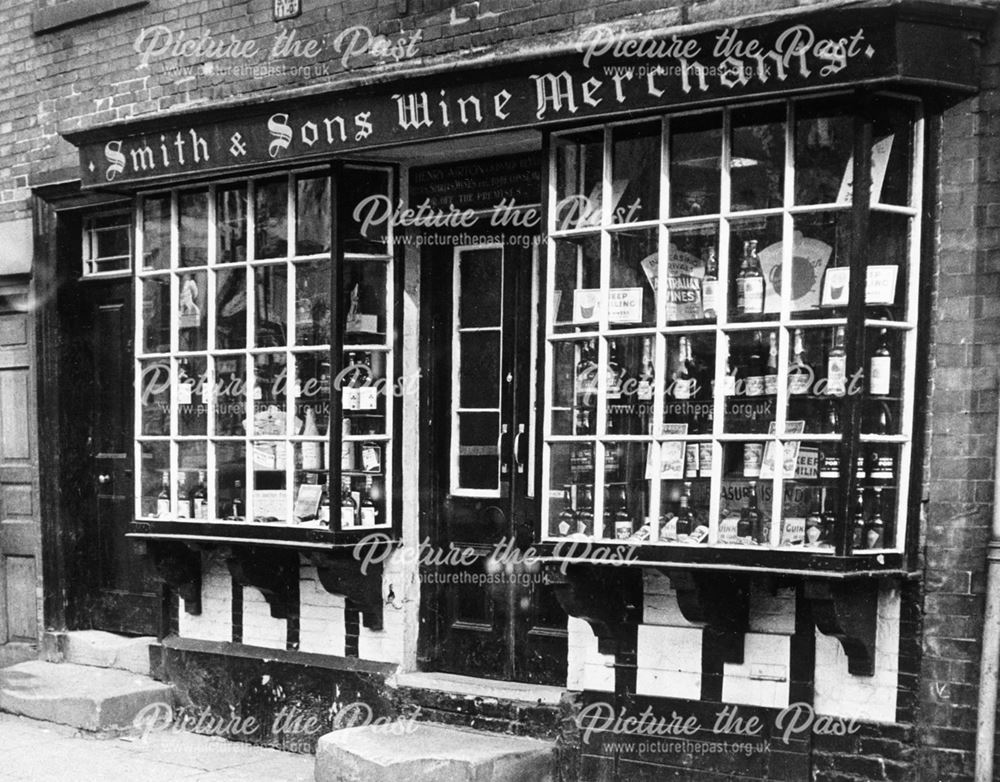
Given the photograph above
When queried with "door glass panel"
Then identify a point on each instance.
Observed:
(477, 363)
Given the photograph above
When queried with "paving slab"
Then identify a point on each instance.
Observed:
(95, 699)
(425, 752)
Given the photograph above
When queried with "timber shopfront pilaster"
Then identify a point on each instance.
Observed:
(696, 392)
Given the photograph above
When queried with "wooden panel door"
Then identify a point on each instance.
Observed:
(20, 536)
(491, 617)
(120, 594)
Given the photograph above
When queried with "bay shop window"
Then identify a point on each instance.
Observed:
(265, 352)
(731, 330)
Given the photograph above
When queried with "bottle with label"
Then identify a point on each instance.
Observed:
(880, 367)
(685, 518)
(566, 524)
(622, 518)
(829, 460)
(347, 456)
(729, 379)
(836, 365)
(199, 498)
(645, 386)
(368, 510)
(684, 380)
(771, 369)
(814, 527)
(858, 521)
(586, 375)
(312, 452)
(799, 372)
(750, 282)
(875, 528)
(751, 523)
(350, 386)
(183, 498)
(585, 510)
(323, 512)
(237, 512)
(367, 390)
(616, 372)
(881, 461)
(756, 367)
(710, 285)
(348, 507)
(163, 498)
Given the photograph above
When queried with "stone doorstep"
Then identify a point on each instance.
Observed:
(100, 649)
(426, 752)
(93, 699)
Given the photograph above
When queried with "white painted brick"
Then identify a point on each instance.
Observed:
(669, 648)
(259, 627)
(586, 667)
(871, 698)
(673, 684)
(772, 613)
(215, 623)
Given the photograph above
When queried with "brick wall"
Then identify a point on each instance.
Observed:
(966, 337)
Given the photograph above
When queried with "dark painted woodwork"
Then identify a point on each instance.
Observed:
(275, 572)
(609, 599)
(341, 575)
(179, 565)
(849, 613)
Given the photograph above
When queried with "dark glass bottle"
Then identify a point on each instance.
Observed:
(875, 528)
(858, 521)
(566, 523)
(685, 518)
(749, 282)
(751, 523)
(799, 372)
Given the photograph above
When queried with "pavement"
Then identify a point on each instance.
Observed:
(33, 751)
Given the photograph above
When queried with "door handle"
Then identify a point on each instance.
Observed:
(103, 478)
(517, 449)
(503, 462)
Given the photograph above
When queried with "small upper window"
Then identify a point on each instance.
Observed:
(107, 244)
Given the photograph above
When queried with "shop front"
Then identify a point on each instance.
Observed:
(398, 377)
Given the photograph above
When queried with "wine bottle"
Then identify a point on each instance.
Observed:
(586, 374)
(312, 452)
(684, 380)
(750, 282)
(348, 507)
(323, 512)
(616, 372)
(756, 367)
(799, 372)
(858, 521)
(881, 461)
(771, 370)
(875, 528)
(729, 379)
(836, 365)
(829, 518)
(237, 512)
(710, 285)
(368, 510)
(644, 389)
(814, 527)
(829, 464)
(750, 524)
(350, 390)
(880, 367)
(567, 517)
(183, 498)
(163, 498)
(622, 518)
(585, 510)
(685, 518)
(199, 498)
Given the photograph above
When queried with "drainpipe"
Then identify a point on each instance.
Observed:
(986, 724)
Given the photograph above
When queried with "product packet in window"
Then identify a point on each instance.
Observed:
(793, 531)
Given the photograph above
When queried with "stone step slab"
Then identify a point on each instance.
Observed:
(103, 650)
(425, 752)
(93, 699)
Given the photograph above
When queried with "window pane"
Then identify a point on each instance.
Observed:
(312, 215)
(230, 395)
(824, 144)
(480, 276)
(231, 224)
(684, 504)
(571, 493)
(814, 380)
(193, 228)
(579, 161)
(270, 305)
(753, 362)
(156, 314)
(810, 504)
(312, 394)
(693, 291)
(271, 218)
(479, 369)
(362, 189)
(695, 164)
(230, 309)
(755, 254)
(632, 297)
(362, 381)
(154, 481)
(757, 163)
(154, 397)
(574, 387)
(156, 232)
(312, 303)
(821, 255)
(478, 456)
(192, 311)
(892, 152)
(689, 384)
(636, 173)
(365, 291)
(626, 492)
(576, 299)
(270, 500)
(745, 512)
(192, 461)
(230, 480)
(270, 386)
(193, 395)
